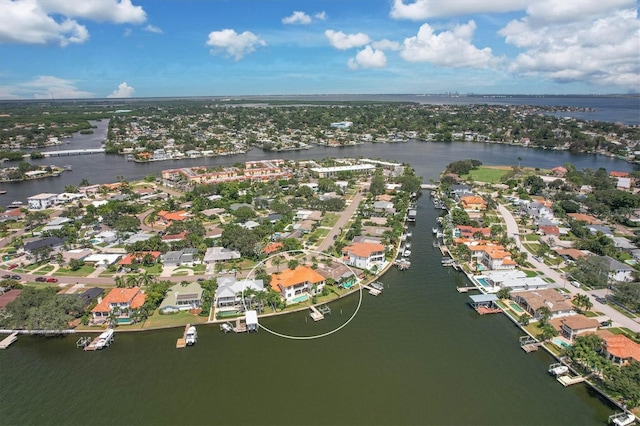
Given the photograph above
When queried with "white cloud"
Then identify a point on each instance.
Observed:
(153, 29)
(44, 87)
(27, 22)
(425, 9)
(321, 16)
(127, 32)
(448, 48)
(385, 44)
(343, 41)
(116, 11)
(236, 45)
(297, 17)
(368, 58)
(54, 21)
(589, 43)
(123, 91)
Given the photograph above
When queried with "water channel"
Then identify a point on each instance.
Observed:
(417, 354)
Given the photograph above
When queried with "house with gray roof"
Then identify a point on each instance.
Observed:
(182, 298)
(618, 271)
(220, 254)
(229, 292)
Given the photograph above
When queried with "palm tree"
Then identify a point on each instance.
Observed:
(146, 279)
(503, 293)
(119, 281)
(543, 313)
(132, 280)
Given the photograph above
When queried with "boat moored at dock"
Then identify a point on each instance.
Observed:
(102, 341)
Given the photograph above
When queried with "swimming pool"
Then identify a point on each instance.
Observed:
(483, 282)
(516, 307)
(561, 343)
(299, 299)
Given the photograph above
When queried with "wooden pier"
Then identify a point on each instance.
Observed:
(374, 288)
(315, 314)
(7, 341)
(567, 380)
(466, 289)
(529, 344)
(182, 342)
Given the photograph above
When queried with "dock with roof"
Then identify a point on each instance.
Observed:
(485, 303)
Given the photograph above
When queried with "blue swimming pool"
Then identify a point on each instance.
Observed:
(483, 282)
(561, 343)
(299, 299)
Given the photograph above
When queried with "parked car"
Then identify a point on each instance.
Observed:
(14, 266)
(16, 277)
(6, 277)
(41, 279)
(52, 280)
(575, 284)
(601, 300)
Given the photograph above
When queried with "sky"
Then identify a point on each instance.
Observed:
(58, 49)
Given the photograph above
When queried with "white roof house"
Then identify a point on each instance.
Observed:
(42, 201)
(216, 254)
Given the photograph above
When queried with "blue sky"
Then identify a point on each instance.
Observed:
(144, 48)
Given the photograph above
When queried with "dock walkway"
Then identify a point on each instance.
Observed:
(182, 342)
(315, 314)
(7, 341)
(567, 380)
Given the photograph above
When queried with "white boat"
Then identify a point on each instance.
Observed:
(191, 336)
(16, 203)
(407, 245)
(623, 419)
(407, 253)
(559, 370)
(226, 327)
(434, 230)
(409, 234)
(102, 341)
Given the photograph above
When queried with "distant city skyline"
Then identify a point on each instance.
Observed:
(62, 49)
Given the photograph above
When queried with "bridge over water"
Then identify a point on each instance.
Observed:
(70, 152)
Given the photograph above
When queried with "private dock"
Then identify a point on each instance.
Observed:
(402, 264)
(466, 289)
(7, 341)
(315, 314)
(567, 380)
(375, 288)
(182, 342)
(529, 344)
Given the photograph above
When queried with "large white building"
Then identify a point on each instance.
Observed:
(42, 201)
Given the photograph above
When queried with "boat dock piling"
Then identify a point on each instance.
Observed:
(182, 342)
(7, 341)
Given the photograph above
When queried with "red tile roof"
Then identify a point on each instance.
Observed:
(133, 296)
(138, 256)
(290, 278)
(363, 249)
(622, 347)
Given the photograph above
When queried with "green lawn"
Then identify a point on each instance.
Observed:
(82, 272)
(319, 233)
(329, 219)
(486, 174)
(181, 318)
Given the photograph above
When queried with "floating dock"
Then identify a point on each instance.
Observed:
(7, 341)
(567, 380)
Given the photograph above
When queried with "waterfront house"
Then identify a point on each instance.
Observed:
(536, 299)
(119, 301)
(229, 291)
(574, 325)
(472, 203)
(87, 296)
(182, 298)
(465, 231)
(460, 190)
(42, 201)
(295, 283)
(619, 348)
(364, 255)
(496, 258)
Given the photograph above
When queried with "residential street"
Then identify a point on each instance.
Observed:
(617, 318)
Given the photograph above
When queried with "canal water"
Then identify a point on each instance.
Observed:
(416, 354)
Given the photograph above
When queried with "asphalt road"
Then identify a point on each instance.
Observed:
(617, 318)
